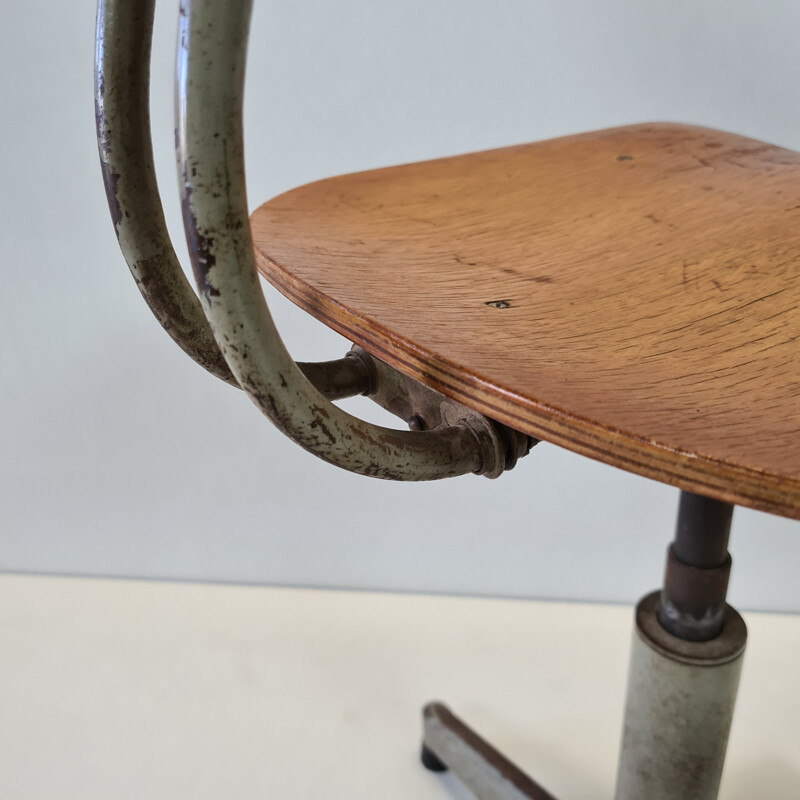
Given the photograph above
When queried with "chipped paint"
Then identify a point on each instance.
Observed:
(229, 330)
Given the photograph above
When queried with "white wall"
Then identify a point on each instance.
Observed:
(120, 457)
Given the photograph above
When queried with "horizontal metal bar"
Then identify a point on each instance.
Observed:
(339, 379)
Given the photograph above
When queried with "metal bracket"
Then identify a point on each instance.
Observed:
(419, 406)
(425, 409)
(230, 331)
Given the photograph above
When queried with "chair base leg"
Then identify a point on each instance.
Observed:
(684, 674)
(678, 714)
(450, 744)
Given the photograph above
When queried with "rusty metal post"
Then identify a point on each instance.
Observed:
(685, 665)
(698, 568)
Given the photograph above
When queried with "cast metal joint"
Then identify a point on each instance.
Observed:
(425, 409)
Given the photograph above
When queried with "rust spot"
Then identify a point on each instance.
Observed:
(111, 180)
(321, 411)
(200, 246)
(324, 429)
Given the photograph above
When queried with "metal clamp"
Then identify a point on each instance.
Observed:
(230, 331)
(424, 409)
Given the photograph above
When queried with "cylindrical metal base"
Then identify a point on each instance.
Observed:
(679, 709)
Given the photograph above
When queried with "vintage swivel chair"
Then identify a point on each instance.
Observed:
(630, 294)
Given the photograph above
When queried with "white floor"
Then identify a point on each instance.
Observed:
(123, 689)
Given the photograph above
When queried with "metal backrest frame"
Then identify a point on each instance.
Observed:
(229, 330)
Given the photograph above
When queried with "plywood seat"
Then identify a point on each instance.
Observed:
(630, 294)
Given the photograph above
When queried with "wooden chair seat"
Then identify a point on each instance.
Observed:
(630, 294)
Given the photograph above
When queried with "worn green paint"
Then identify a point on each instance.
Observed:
(122, 73)
(230, 330)
(211, 66)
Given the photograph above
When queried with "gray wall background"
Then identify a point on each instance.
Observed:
(120, 457)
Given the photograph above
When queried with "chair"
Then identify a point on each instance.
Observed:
(629, 294)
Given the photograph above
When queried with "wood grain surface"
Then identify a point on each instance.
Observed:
(630, 294)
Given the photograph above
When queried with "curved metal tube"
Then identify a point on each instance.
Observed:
(210, 81)
(122, 75)
(122, 79)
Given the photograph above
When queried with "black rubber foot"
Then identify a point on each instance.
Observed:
(431, 761)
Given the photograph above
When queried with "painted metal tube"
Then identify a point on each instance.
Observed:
(336, 380)
(122, 78)
(210, 82)
(679, 709)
